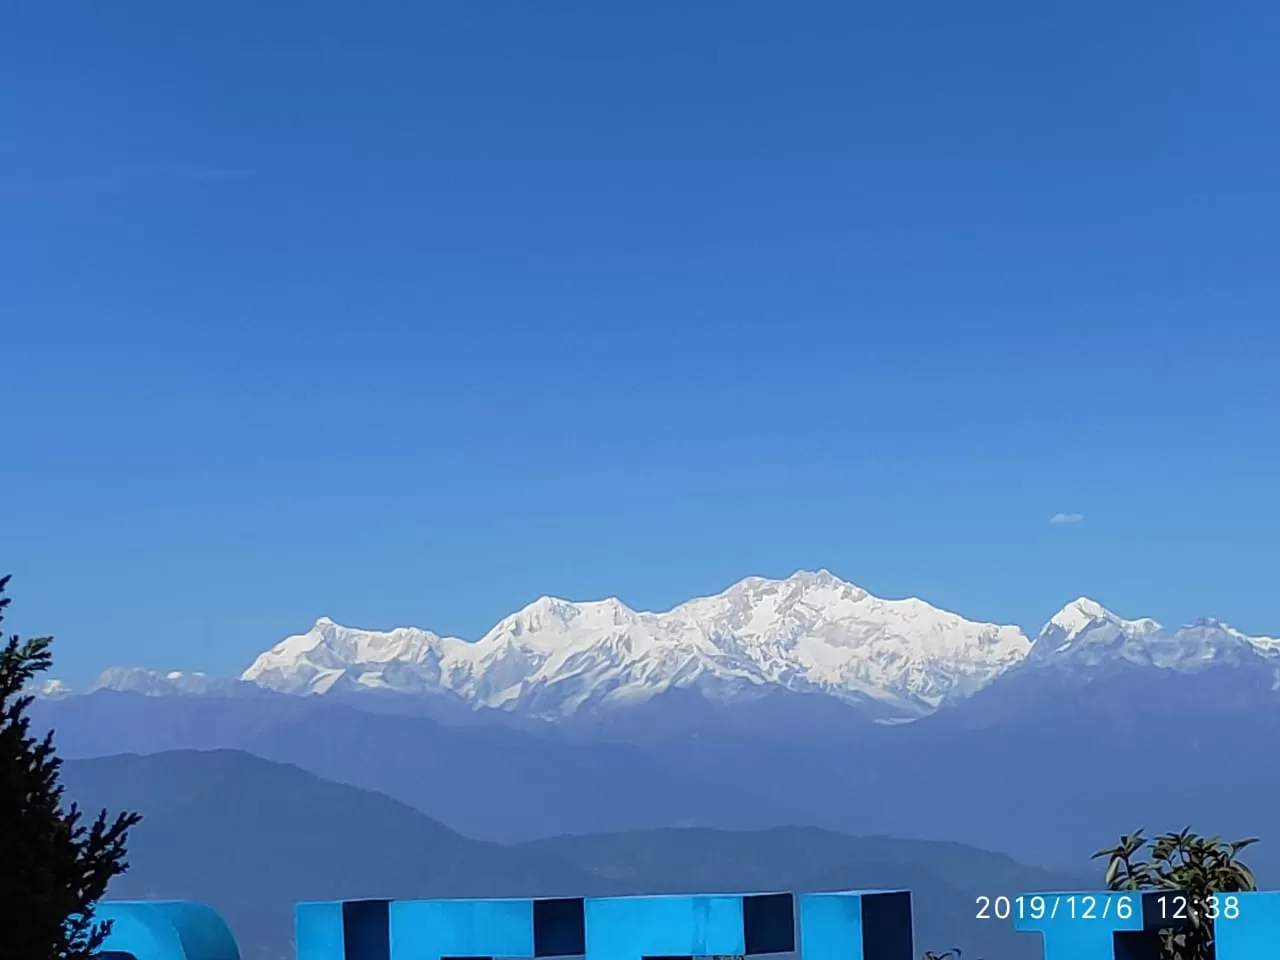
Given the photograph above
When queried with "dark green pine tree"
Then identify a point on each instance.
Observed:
(53, 867)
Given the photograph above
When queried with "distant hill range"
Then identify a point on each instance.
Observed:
(252, 837)
(803, 701)
(1043, 771)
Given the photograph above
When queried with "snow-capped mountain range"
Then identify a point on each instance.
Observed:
(810, 633)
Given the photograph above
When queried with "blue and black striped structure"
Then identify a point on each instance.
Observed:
(831, 926)
(852, 925)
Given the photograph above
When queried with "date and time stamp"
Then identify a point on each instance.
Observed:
(1165, 908)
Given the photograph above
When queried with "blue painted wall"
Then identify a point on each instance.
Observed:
(850, 925)
(166, 930)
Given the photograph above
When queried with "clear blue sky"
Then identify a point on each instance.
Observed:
(410, 313)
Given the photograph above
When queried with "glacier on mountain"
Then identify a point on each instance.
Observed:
(1085, 634)
(158, 683)
(810, 633)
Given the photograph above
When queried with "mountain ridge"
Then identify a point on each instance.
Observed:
(895, 660)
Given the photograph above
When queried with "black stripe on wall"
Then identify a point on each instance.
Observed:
(366, 930)
(769, 923)
(886, 926)
(559, 928)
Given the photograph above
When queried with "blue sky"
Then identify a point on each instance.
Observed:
(410, 313)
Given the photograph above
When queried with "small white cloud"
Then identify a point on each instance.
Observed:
(1066, 518)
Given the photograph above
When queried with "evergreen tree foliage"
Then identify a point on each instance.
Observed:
(53, 866)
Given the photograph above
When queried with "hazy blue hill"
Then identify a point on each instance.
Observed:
(1051, 766)
(788, 856)
(252, 837)
(1028, 767)
(464, 776)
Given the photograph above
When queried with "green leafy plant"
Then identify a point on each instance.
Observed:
(1199, 869)
(56, 868)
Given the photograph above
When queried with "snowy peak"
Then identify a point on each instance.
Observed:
(1078, 615)
(155, 683)
(51, 689)
(549, 618)
(330, 655)
(810, 632)
(1084, 633)
(1082, 615)
(849, 638)
(818, 590)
